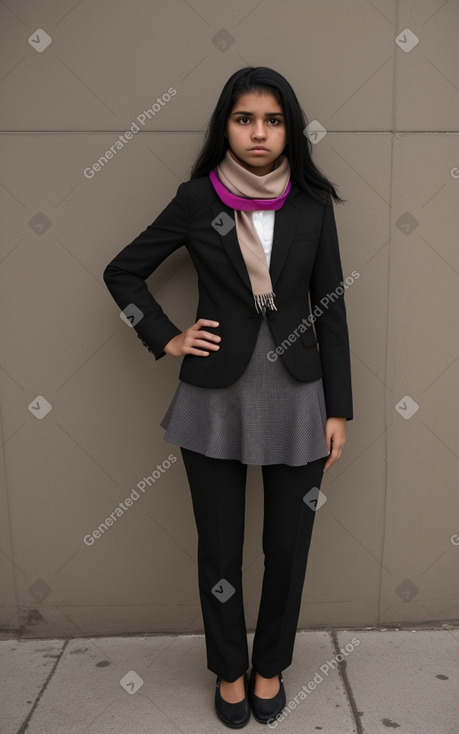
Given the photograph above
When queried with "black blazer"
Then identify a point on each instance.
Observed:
(304, 257)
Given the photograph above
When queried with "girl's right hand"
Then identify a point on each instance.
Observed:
(188, 341)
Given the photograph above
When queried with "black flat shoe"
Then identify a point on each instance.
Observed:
(265, 710)
(234, 715)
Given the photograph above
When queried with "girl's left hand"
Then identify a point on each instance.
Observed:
(335, 435)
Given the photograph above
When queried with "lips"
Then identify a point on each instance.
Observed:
(259, 147)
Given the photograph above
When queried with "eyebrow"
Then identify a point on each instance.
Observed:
(267, 114)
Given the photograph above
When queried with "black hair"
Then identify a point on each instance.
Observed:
(260, 79)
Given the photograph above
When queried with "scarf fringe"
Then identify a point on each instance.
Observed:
(265, 300)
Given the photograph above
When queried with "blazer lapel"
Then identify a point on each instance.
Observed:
(284, 229)
(221, 216)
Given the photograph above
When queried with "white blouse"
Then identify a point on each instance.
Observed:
(264, 225)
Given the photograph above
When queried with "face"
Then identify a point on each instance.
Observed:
(256, 132)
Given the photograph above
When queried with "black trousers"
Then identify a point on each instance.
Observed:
(218, 495)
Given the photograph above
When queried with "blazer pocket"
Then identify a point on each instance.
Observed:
(309, 338)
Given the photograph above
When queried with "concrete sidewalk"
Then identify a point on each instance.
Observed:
(340, 682)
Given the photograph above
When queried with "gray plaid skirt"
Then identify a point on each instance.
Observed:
(265, 417)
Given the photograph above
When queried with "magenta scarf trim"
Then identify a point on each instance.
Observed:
(246, 205)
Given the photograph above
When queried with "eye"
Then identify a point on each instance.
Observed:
(242, 118)
(275, 121)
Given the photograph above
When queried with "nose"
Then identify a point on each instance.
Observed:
(259, 132)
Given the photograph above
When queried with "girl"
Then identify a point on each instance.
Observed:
(257, 219)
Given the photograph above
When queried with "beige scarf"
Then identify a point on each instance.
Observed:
(262, 192)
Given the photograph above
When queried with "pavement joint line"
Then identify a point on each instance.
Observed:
(342, 672)
(453, 624)
(25, 724)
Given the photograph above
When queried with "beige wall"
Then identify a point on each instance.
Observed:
(383, 549)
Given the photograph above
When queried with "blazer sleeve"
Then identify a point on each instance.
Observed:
(327, 304)
(126, 274)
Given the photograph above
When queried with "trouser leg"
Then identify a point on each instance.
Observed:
(287, 531)
(218, 495)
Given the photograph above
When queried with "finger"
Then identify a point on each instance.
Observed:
(333, 457)
(197, 352)
(207, 322)
(330, 460)
(191, 346)
(205, 344)
(205, 335)
(193, 335)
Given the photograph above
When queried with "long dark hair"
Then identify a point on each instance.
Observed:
(260, 79)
